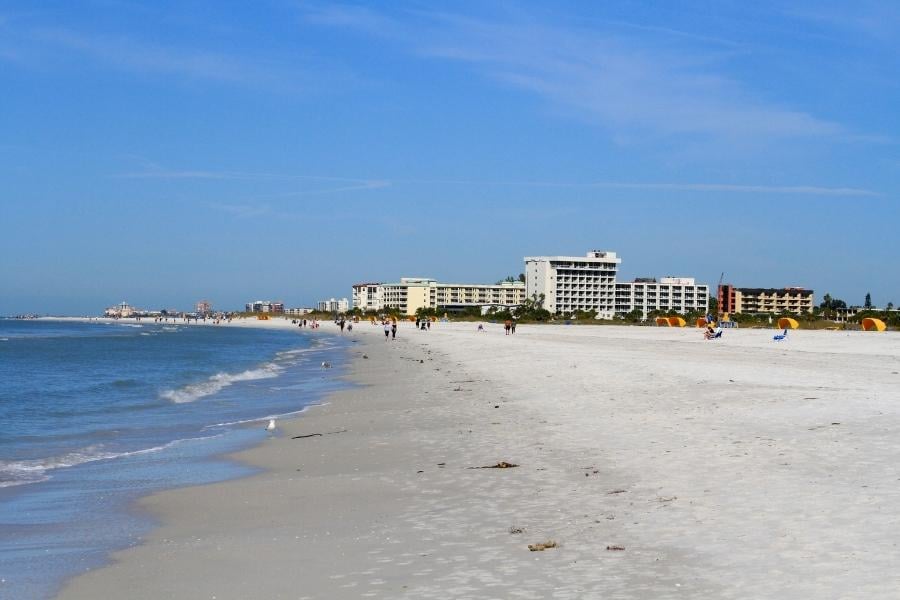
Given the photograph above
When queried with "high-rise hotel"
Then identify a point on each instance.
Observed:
(570, 283)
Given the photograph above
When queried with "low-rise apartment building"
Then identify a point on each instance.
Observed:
(669, 294)
(264, 306)
(764, 300)
(412, 293)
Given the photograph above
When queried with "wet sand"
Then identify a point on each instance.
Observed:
(739, 468)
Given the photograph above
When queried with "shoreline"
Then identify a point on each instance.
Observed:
(146, 462)
(737, 470)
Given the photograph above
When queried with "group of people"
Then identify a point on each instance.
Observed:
(312, 324)
(510, 326)
(423, 323)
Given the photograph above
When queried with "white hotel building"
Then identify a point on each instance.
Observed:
(368, 296)
(571, 283)
(669, 294)
(333, 305)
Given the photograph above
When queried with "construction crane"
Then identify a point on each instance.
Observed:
(720, 300)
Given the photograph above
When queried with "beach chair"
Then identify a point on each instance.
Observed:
(781, 336)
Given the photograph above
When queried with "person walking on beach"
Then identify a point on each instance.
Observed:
(512, 326)
(507, 325)
(387, 330)
(394, 330)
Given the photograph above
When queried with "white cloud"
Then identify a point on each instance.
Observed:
(808, 190)
(620, 82)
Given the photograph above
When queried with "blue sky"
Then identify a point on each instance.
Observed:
(161, 153)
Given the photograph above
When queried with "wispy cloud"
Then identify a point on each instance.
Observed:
(313, 184)
(872, 20)
(360, 184)
(618, 81)
(133, 54)
(808, 190)
(355, 184)
(168, 174)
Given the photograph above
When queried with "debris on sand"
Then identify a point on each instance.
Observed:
(516, 530)
(615, 548)
(616, 492)
(500, 465)
(542, 546)
(309, 435)
(365, 356)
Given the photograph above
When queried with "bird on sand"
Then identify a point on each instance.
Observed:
(271, 425)
(326, 365)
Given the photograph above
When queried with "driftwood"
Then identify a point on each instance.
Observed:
(542, 546)
(500, 465)
(309, 435)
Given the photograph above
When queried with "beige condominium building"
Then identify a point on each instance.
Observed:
(570, 283)
(412, 293)
(765, 300)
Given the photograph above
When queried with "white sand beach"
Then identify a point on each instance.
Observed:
(662, 465)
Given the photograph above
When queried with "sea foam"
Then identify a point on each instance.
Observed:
(34, 471)
(218, 382)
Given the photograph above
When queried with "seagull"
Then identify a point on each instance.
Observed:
(326, 365)
(271, 425)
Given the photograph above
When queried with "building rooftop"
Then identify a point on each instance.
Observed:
(599, 256)
(417, 281)
(785, 290)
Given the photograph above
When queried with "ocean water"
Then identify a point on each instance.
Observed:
(94, 415)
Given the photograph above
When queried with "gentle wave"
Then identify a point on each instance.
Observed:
(286, 415)
(34, 471)
(216, 383)
(288, 353)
